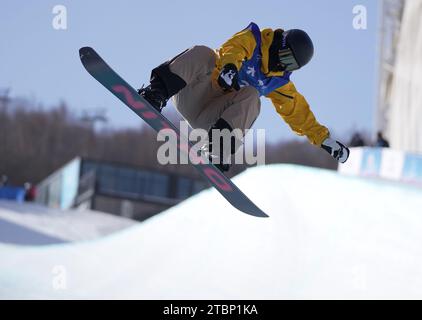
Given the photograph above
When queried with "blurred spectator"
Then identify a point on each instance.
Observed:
(3, 180)
(357, 141)
(29, 191)
(381, 142)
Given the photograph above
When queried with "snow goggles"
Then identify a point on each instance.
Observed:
(287, 60)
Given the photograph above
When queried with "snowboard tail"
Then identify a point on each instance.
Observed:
(104, 74)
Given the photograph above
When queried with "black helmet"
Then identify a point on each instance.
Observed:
(297, 49)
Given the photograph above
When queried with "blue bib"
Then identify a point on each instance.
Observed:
(250, 73)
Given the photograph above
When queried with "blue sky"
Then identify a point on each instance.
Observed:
(41, 63)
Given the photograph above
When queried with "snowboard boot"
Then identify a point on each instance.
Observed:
(206, 151)
(223, 167)
(155, 96)
(222, 164)
(163, 85)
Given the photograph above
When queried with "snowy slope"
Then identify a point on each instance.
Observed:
(34, 224)
(328, 236)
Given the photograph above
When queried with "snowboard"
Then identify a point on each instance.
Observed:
(104, 74)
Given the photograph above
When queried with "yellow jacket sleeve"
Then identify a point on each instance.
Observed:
(236, 49)
(294, 109)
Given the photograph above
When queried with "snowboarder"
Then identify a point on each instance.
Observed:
(221, 89)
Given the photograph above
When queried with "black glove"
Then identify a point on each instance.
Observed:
(336, 149)
(229, 77)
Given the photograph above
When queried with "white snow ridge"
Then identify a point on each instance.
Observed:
(328, 236)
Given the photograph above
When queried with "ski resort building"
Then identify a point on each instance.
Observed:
(399, 109)
(132, 192)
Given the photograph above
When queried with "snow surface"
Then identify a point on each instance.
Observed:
(33, 224)
(329, 236)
